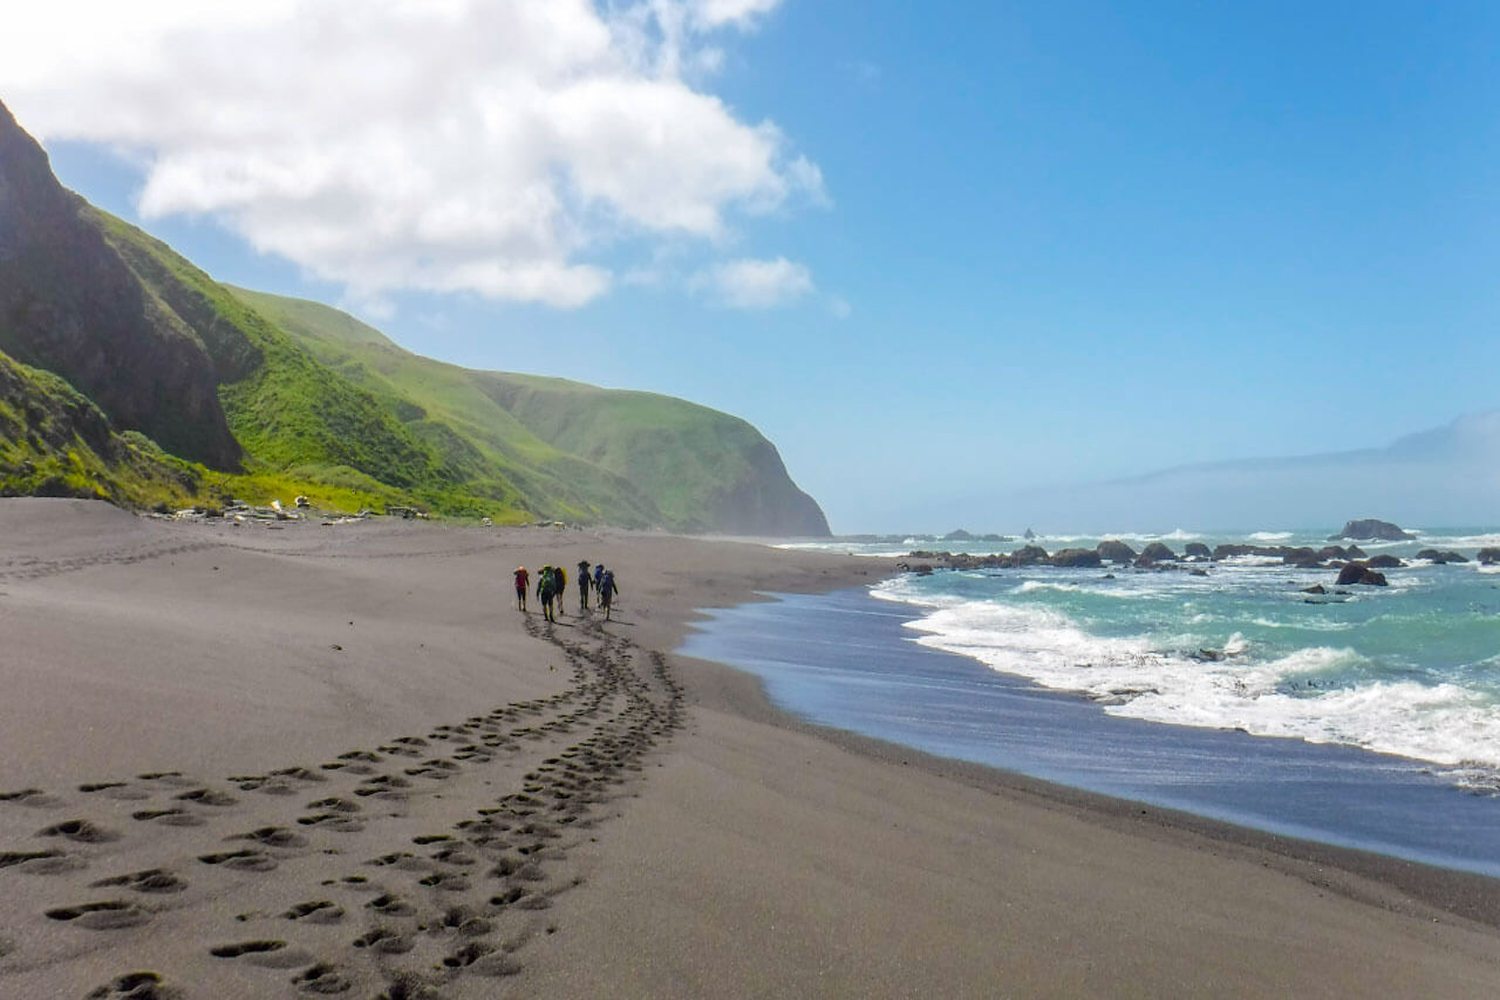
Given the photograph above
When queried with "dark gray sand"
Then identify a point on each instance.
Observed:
(334, 760)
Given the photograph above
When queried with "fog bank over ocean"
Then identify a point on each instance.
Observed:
(1445, 476)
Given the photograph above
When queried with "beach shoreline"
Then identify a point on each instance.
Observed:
(751, 854)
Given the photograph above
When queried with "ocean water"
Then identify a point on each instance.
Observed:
(1410, 669)
(1370, 718)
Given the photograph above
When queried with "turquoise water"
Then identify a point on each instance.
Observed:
(1410, 669)
(852, 661)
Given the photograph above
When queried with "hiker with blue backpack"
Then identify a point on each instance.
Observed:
(607, 591)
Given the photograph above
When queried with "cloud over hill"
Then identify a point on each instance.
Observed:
(498, 148)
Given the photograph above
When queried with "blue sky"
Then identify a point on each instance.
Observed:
(1045, 243)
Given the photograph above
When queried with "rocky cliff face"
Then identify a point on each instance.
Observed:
(71, 305)
(767, 502)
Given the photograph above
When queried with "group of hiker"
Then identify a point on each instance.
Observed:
(552, 586)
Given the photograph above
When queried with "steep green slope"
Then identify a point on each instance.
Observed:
(68, 304)
(701, 469)
(440, 399)
(55, 442)
(708, 471)
(261, 394)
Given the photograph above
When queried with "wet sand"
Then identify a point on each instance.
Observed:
(261, 762)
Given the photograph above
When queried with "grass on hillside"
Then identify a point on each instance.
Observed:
(680, 459)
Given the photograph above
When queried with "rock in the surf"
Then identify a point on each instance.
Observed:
(1372, 529)
(1360, 573)
(1028, 555)
(1154, 553)
(1117, 551)
(1075, 557)
(1384, 561)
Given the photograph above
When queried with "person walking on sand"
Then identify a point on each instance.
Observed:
(559, 587)
(598, 576)
(583, 585)
(607, 592)
(545, 592)
(523, 583)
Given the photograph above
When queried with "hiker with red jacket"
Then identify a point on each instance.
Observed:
(523, 580)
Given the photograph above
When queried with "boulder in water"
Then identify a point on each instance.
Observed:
(1360, 573)
(1316, 588)
(1488, 556)
(1075, 557)
(1441, 558)
(1197, 550)
(1154, 553)
(1115, 551)
(1028, 555)
(1370, 528)
(1384, 561)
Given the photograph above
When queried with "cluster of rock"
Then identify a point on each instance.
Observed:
(1354, 565)
(1154, 555)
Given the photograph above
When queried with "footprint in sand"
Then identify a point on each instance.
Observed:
(80, 831)
(155, 880)
(168, 817)
(386, 941)
(269, 954)
(335, 804)
(446, 882)
(135, 986)
(272, 836)
(322, 979)
(34, 797)
(390, 905)
(208, 797)
(333, 821)
(321, 911)
(40, 862)
(465, 922)
(246, 860)
(115, 790)
(109, 915)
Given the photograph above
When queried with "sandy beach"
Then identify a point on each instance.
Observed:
(266, 761)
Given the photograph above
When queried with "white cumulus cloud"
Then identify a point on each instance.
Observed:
(491, 146)
(756, 284)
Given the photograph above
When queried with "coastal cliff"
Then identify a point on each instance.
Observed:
(276, 395)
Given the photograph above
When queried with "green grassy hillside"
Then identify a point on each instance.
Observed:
(55, 442)
(699, 469)
(256, 394)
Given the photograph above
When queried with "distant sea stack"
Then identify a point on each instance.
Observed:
(1369, 529)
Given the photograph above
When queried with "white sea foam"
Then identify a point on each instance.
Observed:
(1303, 694)
(1308, 625)
(1269, 536)
(870, 549)
(1035, 586)
(1459, 541)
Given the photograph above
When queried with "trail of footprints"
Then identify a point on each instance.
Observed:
(438, 904)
